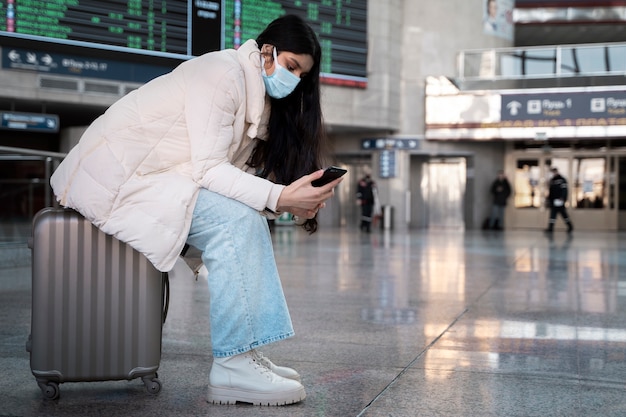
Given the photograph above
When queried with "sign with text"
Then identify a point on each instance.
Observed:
(29, 121)
(181, 29)
(390, 143)
(580, 113)
(387, 163)
(564, 109)
(76, 65)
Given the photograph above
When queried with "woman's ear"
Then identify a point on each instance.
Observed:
(267, 52)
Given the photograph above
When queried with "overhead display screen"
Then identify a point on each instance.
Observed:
(155, 26)
(181, 29)
(341, 26)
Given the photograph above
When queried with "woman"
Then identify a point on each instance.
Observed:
(491, 17)
(197, 155)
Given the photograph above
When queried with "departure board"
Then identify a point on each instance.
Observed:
(183, 28)
(341, 26)
(154, 25)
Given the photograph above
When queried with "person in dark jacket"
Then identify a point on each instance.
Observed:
(557, 196)
(500, 190)
(365, 198)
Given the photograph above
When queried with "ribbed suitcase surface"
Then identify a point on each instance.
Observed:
(97, 309)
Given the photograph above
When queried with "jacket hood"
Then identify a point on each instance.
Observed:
(257, 110)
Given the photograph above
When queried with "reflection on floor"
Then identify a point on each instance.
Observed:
(426, 323)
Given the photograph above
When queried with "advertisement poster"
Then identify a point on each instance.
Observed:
(498, 18)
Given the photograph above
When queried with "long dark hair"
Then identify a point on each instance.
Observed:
(296, 143)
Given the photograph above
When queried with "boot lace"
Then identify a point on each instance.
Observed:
(261, 363)
(258, 356)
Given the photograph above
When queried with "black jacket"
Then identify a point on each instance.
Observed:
(558, 188)
(365, 191)
(501, 190)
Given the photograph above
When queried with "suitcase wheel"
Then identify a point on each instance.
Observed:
(152, 383)
(50, 390)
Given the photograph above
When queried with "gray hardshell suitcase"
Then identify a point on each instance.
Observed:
(98, 306)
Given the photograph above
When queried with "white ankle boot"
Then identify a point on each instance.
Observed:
(278, 370)
(243, 378)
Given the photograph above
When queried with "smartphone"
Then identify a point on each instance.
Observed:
(330, 173)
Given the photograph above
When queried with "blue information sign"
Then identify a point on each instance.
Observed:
(570, 109)
(29, 121)
(387, 163)
(65, 64)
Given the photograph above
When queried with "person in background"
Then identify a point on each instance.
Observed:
(365, 198)
(491, 17)
(557, 196)
(202, 155)
(500, 191)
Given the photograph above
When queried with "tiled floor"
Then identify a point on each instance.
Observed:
(429, 323)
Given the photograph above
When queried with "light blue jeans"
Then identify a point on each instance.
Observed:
(247, 304)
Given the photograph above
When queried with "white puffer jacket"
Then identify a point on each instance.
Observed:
(136, 171)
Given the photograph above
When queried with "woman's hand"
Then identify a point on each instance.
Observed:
(301, 199)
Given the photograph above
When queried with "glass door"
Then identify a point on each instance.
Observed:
(597, 189)
(588, 191)
(621, 192)
(528, 194)
(526, 184)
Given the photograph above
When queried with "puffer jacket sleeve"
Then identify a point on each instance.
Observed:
(215, 110)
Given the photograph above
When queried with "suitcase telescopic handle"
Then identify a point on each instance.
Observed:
(166, 296)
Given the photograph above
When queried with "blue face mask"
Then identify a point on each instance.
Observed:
(282, 82)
